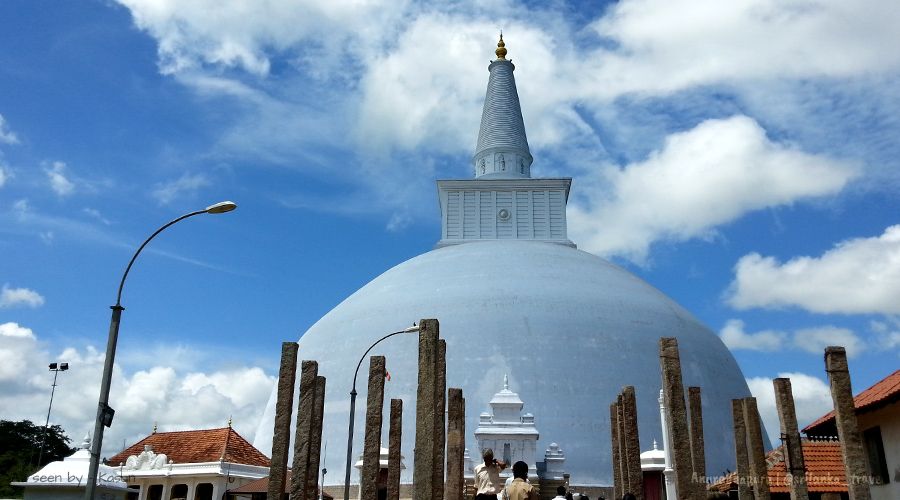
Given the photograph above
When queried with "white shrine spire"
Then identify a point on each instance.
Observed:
(502, 150)
(503, 202)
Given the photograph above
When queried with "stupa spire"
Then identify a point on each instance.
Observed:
(502, 150)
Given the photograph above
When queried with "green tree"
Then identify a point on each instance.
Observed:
(19, 450)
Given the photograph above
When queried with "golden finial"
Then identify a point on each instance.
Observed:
(501, 48)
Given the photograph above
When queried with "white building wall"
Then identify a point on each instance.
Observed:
(888, 419)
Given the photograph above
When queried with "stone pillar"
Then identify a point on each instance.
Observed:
(395, 434)
(281, 437)
(635, 483)
(793, 451)
(740, 450)
(759, 473)
(845, 421)
(372, 445)
(423, 461)
(614, 442)
(623, 451)
(303, 432)
(456, 444)
(698, 451)
(673, 392)
(315, 446)
(440, 403)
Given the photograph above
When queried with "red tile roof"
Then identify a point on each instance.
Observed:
(208, 445)
(882, 393)
(824, 470)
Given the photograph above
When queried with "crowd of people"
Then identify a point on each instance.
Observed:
(489, 485)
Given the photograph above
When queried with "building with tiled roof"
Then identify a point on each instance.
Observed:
(189, 465)
(824, 471)
(878, 418)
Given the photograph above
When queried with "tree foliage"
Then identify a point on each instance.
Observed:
(19, 450)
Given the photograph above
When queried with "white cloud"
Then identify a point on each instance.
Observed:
(240, 33)
(857, 276)
(7, 136)
(60, 184)
(14, 297)
(701, 179)
(734, 336)
(14, 330)
(94, 213)
(812, 399)
(815, 340)
(187, 183)
(663, 46)
(887, 334)
(175, 396)
(3, 175)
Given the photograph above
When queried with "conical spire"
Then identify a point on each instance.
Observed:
(502, 150)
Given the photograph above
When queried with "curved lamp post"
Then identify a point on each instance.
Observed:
(104, 412)
(410, 329)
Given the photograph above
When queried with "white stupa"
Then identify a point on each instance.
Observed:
(511, 435)
(514, 296)
(66, 479)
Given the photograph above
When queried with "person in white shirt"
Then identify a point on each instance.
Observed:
(560, 493)
(487, 477)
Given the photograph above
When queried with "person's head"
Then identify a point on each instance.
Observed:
(561, 491)
(520, 469)
(628, 496)
(488, 456)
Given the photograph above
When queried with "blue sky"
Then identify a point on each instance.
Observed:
(742, 157)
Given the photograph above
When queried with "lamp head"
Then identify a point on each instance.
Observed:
(410, 329)
(221, 207)
(53, 366)
(64, 366)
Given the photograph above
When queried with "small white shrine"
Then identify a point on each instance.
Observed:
(507, 431)
(66, 479)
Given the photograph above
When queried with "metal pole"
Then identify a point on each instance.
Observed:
(104, 412)
(353, 408)
(47, 423)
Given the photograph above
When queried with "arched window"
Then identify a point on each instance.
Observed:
(179, 492)
(204, 491)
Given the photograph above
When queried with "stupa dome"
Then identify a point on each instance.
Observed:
(568, 327)
(514, 296)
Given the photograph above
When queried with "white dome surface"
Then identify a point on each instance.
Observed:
(569, 328)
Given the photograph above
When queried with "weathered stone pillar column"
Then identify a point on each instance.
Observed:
(845, 421)
(698, 452)
(281, 437)
(395, 433)
(759, 473)
(456, 446)
(793, 452)
(673, 391)
(614, 442)
(440, 404)
(303, 433)
(315, 446)
(740, 450)
(423, 461)
(372, 444)
(623, 451)
(632, 443)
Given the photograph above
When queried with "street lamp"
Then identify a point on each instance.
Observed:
(104, 412)
(410, 329)
(55, 368)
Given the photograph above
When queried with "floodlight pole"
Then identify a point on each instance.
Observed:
(104, 412)
(55, 368)
(410, 329)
